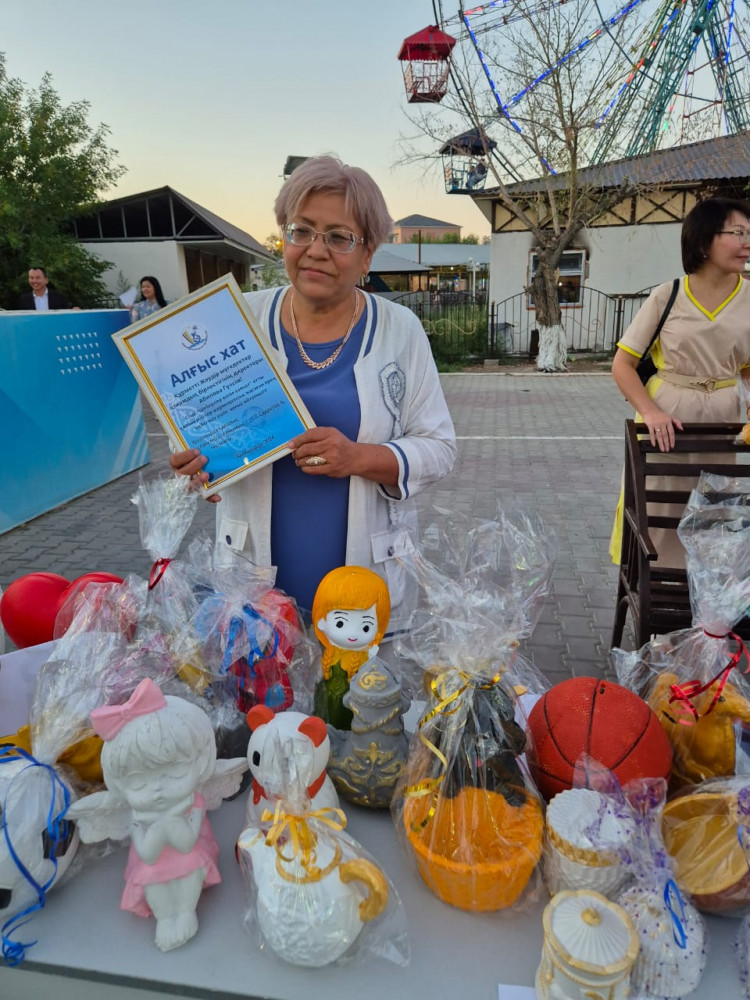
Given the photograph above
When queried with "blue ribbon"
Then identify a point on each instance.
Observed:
(670, 889)
(14, 952)
(247, 621)
(743, 808)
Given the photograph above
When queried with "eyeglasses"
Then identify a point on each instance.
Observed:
(338, 240)
(743, 235)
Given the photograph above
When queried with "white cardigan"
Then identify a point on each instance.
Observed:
(402, 406)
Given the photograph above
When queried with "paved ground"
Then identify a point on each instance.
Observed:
(552, 444)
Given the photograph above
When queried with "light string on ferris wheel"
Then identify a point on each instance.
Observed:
(493, 88)
(726, 61)
(656, 38)
(485, 67)
(593, 37)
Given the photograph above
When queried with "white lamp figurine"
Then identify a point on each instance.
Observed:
(160, 767)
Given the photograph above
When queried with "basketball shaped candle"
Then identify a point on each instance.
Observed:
(602, 720)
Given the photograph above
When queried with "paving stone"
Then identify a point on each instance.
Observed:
(571, 484)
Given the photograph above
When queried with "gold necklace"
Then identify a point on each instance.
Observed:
(317, 365)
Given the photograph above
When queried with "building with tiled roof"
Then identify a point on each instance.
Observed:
(632, 246)
(422, 226)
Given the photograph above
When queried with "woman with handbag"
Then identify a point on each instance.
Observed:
(703, 342)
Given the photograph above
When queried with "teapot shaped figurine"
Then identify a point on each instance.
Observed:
(313, 890)
(162, 775)
(350, 614)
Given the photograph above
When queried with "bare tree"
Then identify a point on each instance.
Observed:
(532, 88)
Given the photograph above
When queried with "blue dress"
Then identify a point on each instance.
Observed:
(302, 549)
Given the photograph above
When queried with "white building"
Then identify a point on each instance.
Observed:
(163, 233)
(625, 251)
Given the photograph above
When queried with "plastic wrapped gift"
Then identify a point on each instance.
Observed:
(586, 834)
(246, 632)
(742, 949)
(39, 841)
(671, 932)
(466, 807)
(166, 508)
(315, 895)
(695, 679)
(706, 829)
(589, 948)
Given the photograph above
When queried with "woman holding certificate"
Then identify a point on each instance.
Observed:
(364, 369)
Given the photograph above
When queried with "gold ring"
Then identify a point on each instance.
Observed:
(315, 460)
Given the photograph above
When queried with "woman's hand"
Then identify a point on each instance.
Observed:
(661, 428)
(190, 463)
(661, 425)
(337, 454)
(325, 451)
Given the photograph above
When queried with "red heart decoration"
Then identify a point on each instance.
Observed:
(67, 600)
(28, 607)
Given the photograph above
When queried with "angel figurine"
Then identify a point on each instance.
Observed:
(161, 771)
(350, 613)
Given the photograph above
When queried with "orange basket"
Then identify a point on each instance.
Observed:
(476, 852)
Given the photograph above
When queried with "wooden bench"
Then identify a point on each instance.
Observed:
(658, 598)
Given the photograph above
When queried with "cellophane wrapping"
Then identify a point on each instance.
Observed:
(672, 933)
(742, 950)
(166, 508)
(247, 634)
(626, 827)
(466, 807)
(586, 832)
(315, 896)
(171, 600)
(695, 679)
(706, 829)
(92, 664)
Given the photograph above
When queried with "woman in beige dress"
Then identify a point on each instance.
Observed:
(703, 348)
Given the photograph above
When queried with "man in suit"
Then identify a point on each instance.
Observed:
(41, 297)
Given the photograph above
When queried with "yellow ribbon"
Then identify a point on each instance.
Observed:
(444, 699)
(301, 838)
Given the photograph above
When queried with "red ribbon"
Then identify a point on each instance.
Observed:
(684, 693)
(157, 572)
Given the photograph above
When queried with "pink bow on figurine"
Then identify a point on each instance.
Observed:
(110, 719)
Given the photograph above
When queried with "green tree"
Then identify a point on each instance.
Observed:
(552, 119)
(54, 166)
(274, 244)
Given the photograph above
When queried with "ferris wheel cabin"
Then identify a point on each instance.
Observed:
(425, 62)
(465, 161)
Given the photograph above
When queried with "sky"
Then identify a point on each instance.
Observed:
(211, 97)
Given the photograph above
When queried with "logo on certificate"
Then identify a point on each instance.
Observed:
(194, 336)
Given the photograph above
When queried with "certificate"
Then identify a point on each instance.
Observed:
(207, 370)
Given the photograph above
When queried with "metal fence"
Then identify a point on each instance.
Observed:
(456, 323)
(595, 324)
(462, 327)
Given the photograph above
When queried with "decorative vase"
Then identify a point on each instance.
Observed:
(584, 835)
(589, 949)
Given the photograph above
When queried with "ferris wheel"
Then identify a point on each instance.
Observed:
(671, 71)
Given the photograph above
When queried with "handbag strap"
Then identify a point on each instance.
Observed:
(667, 310)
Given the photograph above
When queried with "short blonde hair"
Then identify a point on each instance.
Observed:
(327, 174)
